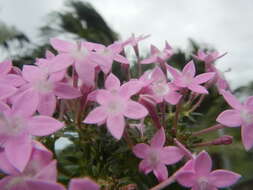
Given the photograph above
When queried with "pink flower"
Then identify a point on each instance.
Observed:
(157, 55)
(75, 184)
(40, 167)
(133, 40)
(115, 104)
(158, 88)
(80, 55)
(187, 78)
(155, 156)
(106, 55)
(208, 57)
(240, 115)
(197, 174)
(44, 86)
(18, 125)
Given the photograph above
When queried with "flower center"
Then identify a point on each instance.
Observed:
(43, 86)
(247, 116)
(115, 107)
(203, 183)
(160, 88)
(153, 157)
(12, 126)
(79, 54)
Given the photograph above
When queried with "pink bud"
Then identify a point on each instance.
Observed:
(226, 139)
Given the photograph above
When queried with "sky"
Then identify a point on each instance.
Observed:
(224, 24)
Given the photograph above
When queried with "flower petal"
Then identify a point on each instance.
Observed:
(203, 164)
(83, 184)
(43, 185)
(199, 79)
(171, 155)
(86, 72)
(231, 100)
(198, 88)
(134, 110)
(130, 88)
(186, 178)
(18, 151)
(95, 116)
(223, 178)
(60, 62)
(189, 69)
(174, 72)
(116, 125)
(47, 104)
(158, 140)
(145, 167)
(121, 59)
(247, 137)
(161, 172)
(5, 67)
(112, 82)
(103, 96)
(230, 118)
(48, 173)
(6, 91)
(140, 150)
(32, 73)
(43, 125)
(26, 103)
(62, 45)
(66, 91)
(172, 98)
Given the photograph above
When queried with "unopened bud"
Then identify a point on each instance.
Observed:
(226, 139)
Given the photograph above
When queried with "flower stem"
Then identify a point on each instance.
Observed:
(210, 129)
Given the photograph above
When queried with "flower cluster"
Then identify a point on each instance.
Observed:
(34, 100)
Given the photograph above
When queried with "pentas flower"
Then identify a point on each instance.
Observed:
(75, 184)
(8, 81)
(18, 125)
(81, 55)
(158, 88)
(155, 156)
(106, 55)
(44, 87)
(133, 40)
(240, 115)
(157, 55)
(115, 104)
(208, 57)
(198, 175)
(41, 167)
(187, 78)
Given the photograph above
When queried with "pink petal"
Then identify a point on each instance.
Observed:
(18, 151)
(121, 59)
(86, 72)
(249, 103)
(186, 178)
(198, 88)
(26, 103)
(4, 107)
(154, 49)
(158, 140)
(6, 91)
(116, 125)
(145, 167)
(135, 110)
(140, 150)
(47, 104)
(247, 137)
(13, 80)
(149, 60)
(130, 88)
(161, 172)
(158, 75)
(231, 100)
(32, 73)
(103, 96)
(171, 155)
(43, 185)
(62, 45)
(61, 62)
(83, 184)
(223, 178)
(172, 98)
(199, 79)
(48, 173)
(95, 116)
(174, 72)
(112, 82)
(49, 54)
(43, 125)
(65, 91)
(6, 166)
(189, 69)
(5, 67)
(104, 62)
(230, 118)
(203, 164)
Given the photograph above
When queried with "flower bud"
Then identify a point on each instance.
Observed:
(223, 140)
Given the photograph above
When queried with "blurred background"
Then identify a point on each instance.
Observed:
(224, 25)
